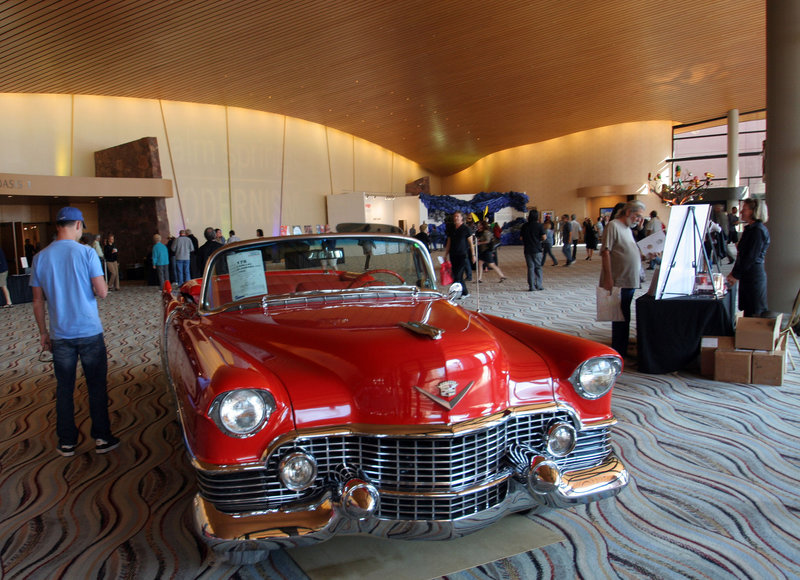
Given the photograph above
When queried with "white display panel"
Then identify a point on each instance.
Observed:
(683, 250)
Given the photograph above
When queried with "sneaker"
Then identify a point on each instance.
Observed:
(66, 450)
(105, 445)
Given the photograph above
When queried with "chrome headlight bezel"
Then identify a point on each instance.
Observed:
(285, 464)
(595, 377)
(552, 439)
(225, 415)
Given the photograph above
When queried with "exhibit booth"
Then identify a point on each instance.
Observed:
(405, 211)
(399, 210)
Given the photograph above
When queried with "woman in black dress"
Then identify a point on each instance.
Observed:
(749, 267)
(590, 237)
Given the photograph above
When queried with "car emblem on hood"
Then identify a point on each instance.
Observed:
(447, 389)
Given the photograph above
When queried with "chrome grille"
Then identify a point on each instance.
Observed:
(420, 507)
(411, 464)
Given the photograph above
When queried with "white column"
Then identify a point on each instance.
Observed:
(733, 148)
(783, 152)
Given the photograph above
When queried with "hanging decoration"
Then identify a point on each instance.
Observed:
(682, 190)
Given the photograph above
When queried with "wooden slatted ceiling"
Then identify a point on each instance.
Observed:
(443, 83)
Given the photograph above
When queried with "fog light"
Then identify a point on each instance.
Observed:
(359, 499)
(544, 476)
(561, 439)
(297, 471)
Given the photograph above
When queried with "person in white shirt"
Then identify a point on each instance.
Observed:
(576, 229)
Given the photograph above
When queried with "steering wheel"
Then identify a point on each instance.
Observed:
(368, 274)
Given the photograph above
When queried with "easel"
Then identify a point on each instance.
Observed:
(696, 238)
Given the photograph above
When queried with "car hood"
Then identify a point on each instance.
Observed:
(353, 362)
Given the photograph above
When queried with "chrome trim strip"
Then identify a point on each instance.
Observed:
(170, 382)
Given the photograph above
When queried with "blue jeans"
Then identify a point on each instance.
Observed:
(94, 360)
(568, 253)
(548, 251)
(534, 262)
(163, 275)
(182, 267)
(620, 331)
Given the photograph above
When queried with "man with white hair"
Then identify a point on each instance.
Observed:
(622, 263)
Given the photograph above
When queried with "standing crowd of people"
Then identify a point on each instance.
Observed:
(183, 258)
(471, 242)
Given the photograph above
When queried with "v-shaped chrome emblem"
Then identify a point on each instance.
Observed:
(449, 405)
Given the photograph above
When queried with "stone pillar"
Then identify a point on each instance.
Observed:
(783, 152)
(733, 148)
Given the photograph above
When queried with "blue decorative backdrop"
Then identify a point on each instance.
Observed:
(441, 205)
(494, 200)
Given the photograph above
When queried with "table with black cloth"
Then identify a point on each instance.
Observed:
(19, 289)
(669, 331)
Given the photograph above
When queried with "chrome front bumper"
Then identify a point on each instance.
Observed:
(303, 524)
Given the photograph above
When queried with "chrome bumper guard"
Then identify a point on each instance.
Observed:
(351, 513)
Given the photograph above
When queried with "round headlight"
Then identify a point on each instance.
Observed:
(595, 377)
(242, 412)
(560, 439)
(297, 471)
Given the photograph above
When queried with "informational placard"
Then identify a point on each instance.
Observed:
(246, 270)
(683, 250)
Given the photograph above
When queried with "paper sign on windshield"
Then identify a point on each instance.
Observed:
(246, 271)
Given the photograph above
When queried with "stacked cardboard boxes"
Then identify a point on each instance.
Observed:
(752, 356)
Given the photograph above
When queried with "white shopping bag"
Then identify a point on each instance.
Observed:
(608, 305)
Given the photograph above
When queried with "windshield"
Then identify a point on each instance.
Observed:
(315, 264)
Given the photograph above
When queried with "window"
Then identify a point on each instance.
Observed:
(701, 147)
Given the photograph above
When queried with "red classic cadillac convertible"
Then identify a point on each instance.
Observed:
(325, 385)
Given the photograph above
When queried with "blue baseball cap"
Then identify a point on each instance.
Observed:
(69, 214)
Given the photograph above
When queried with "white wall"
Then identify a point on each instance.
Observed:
(551, 172)
(231, 168)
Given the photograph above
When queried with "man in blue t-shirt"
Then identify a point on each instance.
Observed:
(68, 276)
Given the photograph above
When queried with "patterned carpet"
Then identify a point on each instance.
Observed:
(715, 466)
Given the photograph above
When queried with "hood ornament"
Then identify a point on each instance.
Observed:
(447, 389)
(424, 329)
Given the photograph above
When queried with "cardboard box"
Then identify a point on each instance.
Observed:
(758, 333)
(768, 367)
(708, 346)
(733, 366)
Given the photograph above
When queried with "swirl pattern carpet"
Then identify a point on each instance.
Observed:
(715, 466)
